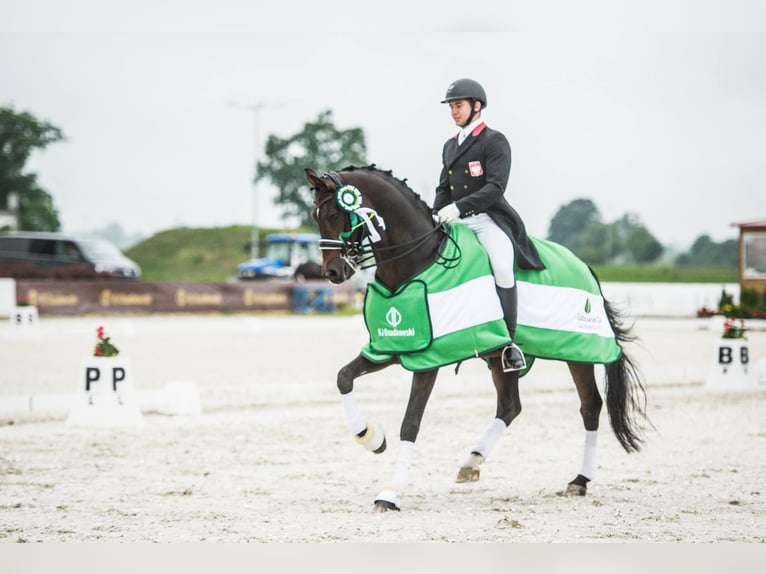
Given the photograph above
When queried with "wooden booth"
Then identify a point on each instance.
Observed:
(752, 255)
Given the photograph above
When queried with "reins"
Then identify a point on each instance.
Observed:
(416, 243)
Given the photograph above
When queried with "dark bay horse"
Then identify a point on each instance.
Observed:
(369, 217)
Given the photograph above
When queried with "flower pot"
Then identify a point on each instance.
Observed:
(105, 395)
(731, 368)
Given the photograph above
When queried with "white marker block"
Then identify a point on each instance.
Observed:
(23, 317)
(105, 396)
(731, 369)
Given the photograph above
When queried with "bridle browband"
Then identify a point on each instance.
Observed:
(355, 253)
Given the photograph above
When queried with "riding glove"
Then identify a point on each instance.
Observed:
(449, 213)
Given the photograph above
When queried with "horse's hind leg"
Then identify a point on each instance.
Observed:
(590, 410)
(508, 408)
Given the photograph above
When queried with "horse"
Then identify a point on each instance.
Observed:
(368, 217)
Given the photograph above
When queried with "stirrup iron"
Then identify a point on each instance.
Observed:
(512, 359)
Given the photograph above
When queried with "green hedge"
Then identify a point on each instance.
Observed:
(639, 274)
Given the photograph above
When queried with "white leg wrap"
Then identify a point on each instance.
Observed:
(403, 460)
(588, 469)
(354, 416)
(487, 442)
(392, 492)
(373, 438)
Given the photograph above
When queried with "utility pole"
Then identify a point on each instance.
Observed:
(256, 110)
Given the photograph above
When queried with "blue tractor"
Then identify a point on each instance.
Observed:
(288, 256)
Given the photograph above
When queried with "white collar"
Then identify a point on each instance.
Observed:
(466, 131)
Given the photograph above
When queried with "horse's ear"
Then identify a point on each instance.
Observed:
(315, 182)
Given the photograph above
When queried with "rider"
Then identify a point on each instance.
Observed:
(476, 164)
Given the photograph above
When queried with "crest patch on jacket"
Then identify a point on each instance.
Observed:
(475, 168)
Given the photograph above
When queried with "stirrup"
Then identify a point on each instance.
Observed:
(512, 359)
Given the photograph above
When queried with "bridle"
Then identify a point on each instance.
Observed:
(352, 251)
(360, 255)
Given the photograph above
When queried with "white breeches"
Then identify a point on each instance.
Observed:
(497, 245)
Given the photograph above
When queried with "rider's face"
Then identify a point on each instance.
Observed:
(460, 110)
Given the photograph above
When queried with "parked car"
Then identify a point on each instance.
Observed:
(41, 253)
(288, 255)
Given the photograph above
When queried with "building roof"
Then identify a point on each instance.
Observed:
(750, 224)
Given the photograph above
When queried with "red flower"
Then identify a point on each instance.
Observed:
(705, 312)
(104, 347)
(733, 329)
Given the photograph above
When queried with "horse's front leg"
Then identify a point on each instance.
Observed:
(420, 391)
(369, 435)
(508, 408)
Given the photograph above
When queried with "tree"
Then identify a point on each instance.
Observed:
(704, 251)
(320, 145)
(638, 244)
(21, 134)
(642, 246)
(571, 220)
(597, 243)
(578, 226)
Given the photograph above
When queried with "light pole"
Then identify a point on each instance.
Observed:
(255, 109)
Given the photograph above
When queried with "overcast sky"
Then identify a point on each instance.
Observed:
(652, 108)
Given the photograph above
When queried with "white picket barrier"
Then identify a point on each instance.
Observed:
(7, 296)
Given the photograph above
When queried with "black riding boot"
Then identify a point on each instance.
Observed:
(512, 358)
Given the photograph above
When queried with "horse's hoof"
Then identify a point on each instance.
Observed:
(578, 487)
(381, 448)
(468, 474)
(385, 506)
(575, 490)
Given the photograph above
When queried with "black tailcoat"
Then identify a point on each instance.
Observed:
(474, 176)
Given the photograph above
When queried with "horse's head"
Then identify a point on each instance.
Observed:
(365, 214)
(337, 255)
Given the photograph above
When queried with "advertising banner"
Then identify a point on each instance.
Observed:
(85, 297)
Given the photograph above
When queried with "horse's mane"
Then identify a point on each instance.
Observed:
(400, 184)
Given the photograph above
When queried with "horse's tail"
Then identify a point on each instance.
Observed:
(625, 392)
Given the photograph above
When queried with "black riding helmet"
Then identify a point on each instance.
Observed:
(465, 89)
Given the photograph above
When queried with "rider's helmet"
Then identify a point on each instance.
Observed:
(465, 89)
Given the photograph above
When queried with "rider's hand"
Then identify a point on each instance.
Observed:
(449, 213)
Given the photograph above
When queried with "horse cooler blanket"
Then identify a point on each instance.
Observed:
(450, 311)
